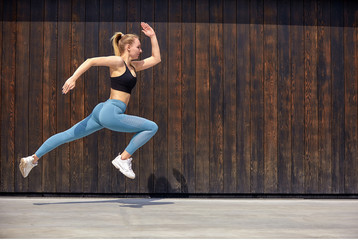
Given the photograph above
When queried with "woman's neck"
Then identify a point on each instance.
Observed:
(126, 58)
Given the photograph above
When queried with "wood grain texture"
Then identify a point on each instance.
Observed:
(284, 97)
(22, 79)
(160, 78)
(297, 102)
(49, 94)
(8, 79)
(257, 97)
(90, 143)
(77, 95)
(187, 177)
(270, 97)
(202, 88)
(324, 97)
(338, 96)
(250, 96)
(229, 97)
(243, 100)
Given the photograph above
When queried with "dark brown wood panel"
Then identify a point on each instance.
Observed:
(270, 96)
(77, 95)
(35, 88)
(8, 78)
(146, 86)
(187, 177)
(22, 95)
(243, 104)
(324, 97)
(297, 101)
(284, 96)
(49, 95)
(63, 101)
(104, 136)
(202, 88)
(338, 95)
(174, 96)
(257, 97)
(350, 77)
(90, 144)
(160, 79)
(216, 145)
(229, 92)
(250, 96)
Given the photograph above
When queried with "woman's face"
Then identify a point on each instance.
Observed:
(135, 49)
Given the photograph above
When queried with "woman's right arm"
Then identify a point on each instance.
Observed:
(111, 61)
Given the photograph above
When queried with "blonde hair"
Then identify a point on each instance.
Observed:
(120, 40)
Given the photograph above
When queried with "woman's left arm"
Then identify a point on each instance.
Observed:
(155, 58)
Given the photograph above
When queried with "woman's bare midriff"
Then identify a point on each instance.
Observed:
(119, 95)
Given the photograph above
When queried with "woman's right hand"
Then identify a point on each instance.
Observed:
(69, 85)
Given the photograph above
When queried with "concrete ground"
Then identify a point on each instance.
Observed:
(177, 218)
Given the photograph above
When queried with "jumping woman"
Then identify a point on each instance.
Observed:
(110, 114)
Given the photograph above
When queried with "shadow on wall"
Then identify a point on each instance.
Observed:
(161, 185)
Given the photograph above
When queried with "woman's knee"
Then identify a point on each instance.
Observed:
(153, 127)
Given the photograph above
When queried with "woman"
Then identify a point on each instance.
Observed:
(110, 114)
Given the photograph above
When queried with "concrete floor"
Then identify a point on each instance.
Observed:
(177, 218)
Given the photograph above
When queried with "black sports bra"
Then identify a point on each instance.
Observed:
(125, 82)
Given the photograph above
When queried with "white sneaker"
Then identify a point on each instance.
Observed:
(125, 166)
(26, 165)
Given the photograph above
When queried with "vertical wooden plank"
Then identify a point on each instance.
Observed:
(1, 67)
(118, 139)
(104, 137)
(22, 94)
(160, 78)
(354, 168)
(297, 83)
(133, 26)
(146, 102)
(350, 77)
(202, 97)
(284, 97)
(311, 164)
(8, 96)
(338, 90)
(270, 96)
(174, 95)
(77, 95)
(243, 97)
(63, 101)
(188, 96)
(49, 93)
(216, 98)
(90, 168)
(324, 96)
(35, 88)
(257, 97)
(230, 64)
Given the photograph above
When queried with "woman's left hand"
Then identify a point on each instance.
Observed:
(147, 30)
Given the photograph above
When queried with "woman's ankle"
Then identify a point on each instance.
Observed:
(35, 159)
(125, 155)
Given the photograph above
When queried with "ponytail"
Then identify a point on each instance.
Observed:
(120, 40)
(115, 39)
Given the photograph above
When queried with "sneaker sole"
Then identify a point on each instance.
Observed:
(121, 170)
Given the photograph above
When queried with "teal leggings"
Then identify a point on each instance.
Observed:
(109, 114)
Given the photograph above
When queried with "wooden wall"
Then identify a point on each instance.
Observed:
(250, 96)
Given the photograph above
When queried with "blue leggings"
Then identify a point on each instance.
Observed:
(109, 114)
